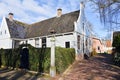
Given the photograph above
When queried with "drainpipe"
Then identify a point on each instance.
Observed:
(13, 42)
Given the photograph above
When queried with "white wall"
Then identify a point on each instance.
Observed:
(5, 41)
(4, 32)
(60, 41)
(32, 42)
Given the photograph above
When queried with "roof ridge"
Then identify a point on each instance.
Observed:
(19, 22)
(54, 17)
(62, 24)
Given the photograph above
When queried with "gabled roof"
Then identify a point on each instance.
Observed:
(16, 29)
(95, 38)
(62, 24)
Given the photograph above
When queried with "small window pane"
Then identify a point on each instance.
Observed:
(44, 42)
(67, 44)
(37, 42)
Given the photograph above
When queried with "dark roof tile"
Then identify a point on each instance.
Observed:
(16, 29)
(62, 24)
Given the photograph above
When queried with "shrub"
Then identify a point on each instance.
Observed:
(116, 51)
(1, 57)
(117, 57)
(116, 43)
(39, 58)
(93, 52)
(64, 57)
(9, 57)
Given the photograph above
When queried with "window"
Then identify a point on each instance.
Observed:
(86, 43)
(98, 47)
(67, 44)
(69, 34)
(5, 32)
(78, 42)
(0, 32)
(37, 42)
(44, 42)
(31, 39)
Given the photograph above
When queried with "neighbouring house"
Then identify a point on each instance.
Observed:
(71, 31)
(108, 45)
(98, 45)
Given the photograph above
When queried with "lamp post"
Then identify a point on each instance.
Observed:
(52, 66)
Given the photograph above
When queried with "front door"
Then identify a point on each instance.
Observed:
(24, 58)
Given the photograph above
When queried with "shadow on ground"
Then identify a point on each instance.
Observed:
(4, 70)
(7, 74)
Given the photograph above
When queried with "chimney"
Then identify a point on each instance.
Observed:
(10, 16)
(59, 12)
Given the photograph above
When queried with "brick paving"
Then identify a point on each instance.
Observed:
(99, 67)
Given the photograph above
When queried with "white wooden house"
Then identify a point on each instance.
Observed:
(72, 31)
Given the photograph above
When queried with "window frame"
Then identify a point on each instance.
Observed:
(67, 44)
(44, 42)
(78, 41)
(37, 42)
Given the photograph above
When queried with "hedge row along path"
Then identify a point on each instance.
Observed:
(100, 67)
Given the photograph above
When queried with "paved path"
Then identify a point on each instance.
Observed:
(99, 67)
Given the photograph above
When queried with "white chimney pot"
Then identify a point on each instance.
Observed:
(59, 12)
(10, 16)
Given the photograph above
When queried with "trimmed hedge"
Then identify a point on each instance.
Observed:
(64, 57)
(9, 57)
(39, 58)
(116, 50)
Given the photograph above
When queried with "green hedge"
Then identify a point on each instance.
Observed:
(64, 57)
(116, 50)
(9, 57)
(39, 59)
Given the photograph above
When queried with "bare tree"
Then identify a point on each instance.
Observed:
(109, 11)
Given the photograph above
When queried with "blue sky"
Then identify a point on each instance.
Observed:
(30, 11)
